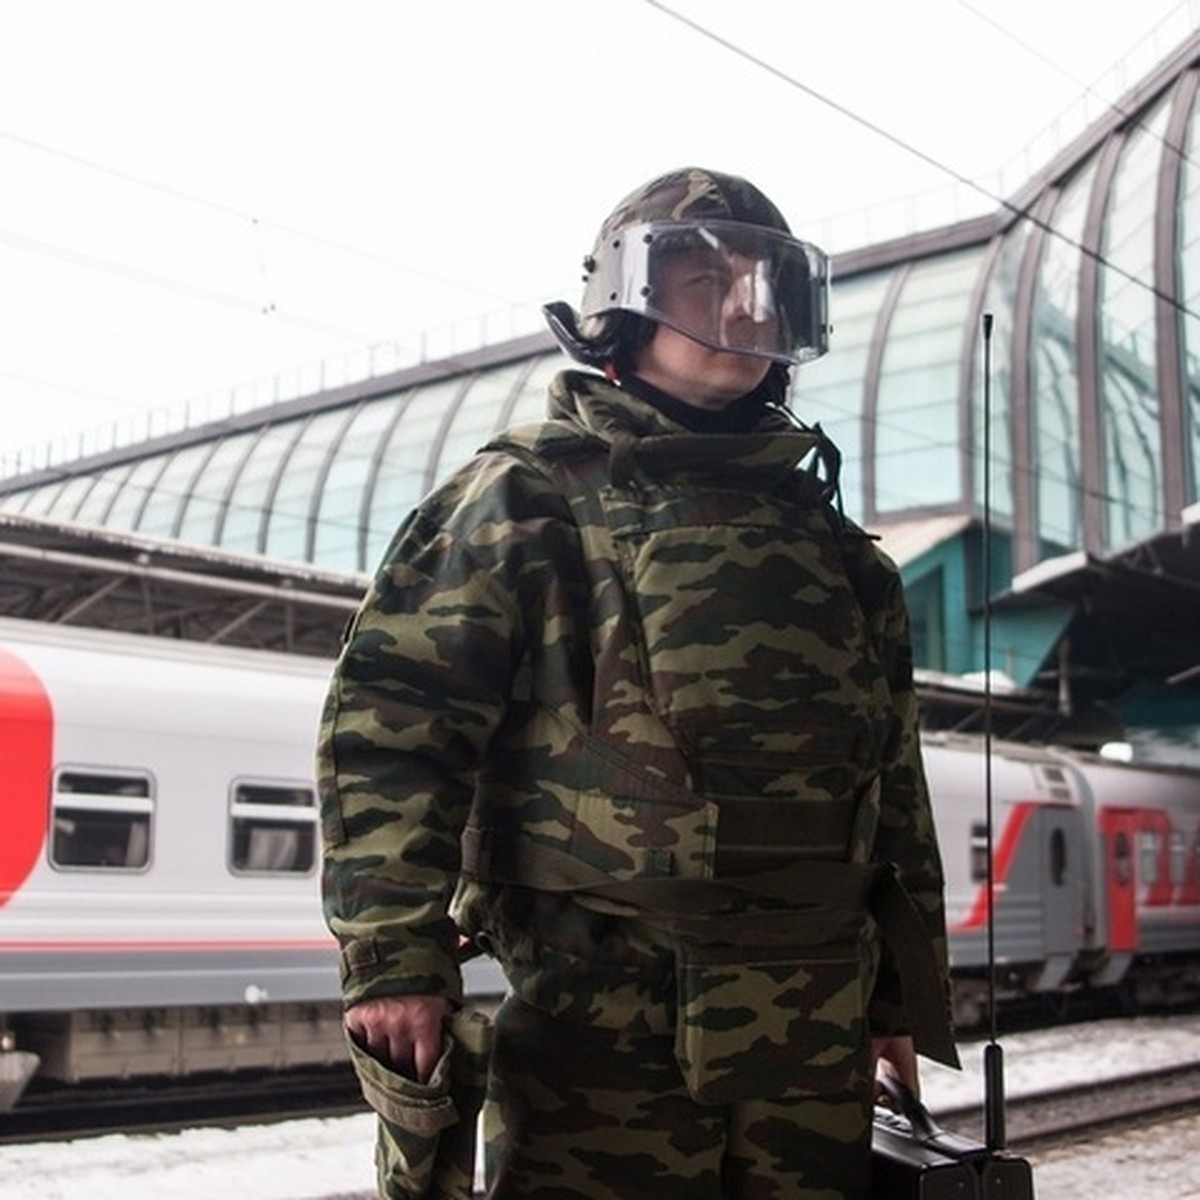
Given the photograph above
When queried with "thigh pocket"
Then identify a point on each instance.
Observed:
(761, 1023)
(427, 1131)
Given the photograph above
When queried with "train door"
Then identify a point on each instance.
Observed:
(1057, 834)
(1118, 828)
(1061, 841)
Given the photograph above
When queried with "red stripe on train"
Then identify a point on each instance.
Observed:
(1004, 855)
(26, 751)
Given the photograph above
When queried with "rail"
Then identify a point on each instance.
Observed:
(1083, 1110)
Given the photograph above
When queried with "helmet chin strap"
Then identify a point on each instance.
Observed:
(564, 324)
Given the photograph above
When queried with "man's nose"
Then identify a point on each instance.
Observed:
(749, 296)
(739, 300)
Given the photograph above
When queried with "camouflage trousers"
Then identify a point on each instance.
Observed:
(577, 1112)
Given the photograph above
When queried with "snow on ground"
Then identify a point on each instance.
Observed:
(1158, 1164)
(331, 1159)
(298, 1160)
(1050, 1058)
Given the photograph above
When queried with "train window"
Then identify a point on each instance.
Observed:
(979, 850)
(1178, 857)
(1058, 858)
(1122, 859)
(1056, 781)
(273, 829)
(101, 820)
(1149, 850)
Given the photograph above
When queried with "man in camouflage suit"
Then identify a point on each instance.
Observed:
(630, 706)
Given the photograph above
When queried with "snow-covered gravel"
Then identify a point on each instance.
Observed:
(1162, 1163)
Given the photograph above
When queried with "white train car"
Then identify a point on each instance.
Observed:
(159, 908)
(1144, 896)
(1096, 866)
(159, 870)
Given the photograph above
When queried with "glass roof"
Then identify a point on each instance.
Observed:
(1095, 437)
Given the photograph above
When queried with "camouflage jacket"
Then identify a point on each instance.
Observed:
(641, 652)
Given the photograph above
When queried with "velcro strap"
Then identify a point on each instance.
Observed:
(525, 863)
(833, 899)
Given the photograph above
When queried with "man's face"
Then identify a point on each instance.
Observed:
(692, 372)
(723, 297)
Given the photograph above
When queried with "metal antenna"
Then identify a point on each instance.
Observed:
(993, 1055)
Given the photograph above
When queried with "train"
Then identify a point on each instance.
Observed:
(159, 867)
(1095, 875)
(160, 864)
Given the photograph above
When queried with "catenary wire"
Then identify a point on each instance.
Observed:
(242, 215)
(1086, 88)
(229, 210)
(1024, 213)
(171, 283)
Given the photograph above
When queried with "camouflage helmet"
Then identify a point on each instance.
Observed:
(736, 249)
(692, 194)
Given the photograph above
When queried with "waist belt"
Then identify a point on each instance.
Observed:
(826, 900)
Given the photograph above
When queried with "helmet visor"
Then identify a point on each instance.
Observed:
(733, 287)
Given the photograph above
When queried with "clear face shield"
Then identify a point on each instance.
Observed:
(732, 287)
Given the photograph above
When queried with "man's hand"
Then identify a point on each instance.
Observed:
(403, 1032)
(898, 1056)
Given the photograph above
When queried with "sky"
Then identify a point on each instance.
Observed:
(209, 204)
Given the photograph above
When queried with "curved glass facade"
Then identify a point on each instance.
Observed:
(297, 487)
(918, 412)
(126, 507)
(1092, 277)
(99, 499)
(159, 515)
(995, 486)
(340, 511)
(323, 486)
(830, 391)
(1057, 481)
(204, 507)
(1189, 302)
(1129, 412)
(240, 527)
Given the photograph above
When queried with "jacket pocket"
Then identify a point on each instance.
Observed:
(426, 1138)
(770, 1023)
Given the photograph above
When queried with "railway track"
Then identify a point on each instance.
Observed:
(1034, 1121)
(86, 1110)
(1080, 1111)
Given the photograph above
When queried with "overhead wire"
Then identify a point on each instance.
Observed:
(1022, 213)
(1086, 88)
(255, 220)
(267, 306)
(929, 159)
(196, 291)
(59, 386)
(256, 223)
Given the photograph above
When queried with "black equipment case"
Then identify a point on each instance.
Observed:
(912, 1158)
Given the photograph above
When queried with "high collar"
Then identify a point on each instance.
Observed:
(591, 409)
(741, 416)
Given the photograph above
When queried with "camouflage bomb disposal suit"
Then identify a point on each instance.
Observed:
(606, 662)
